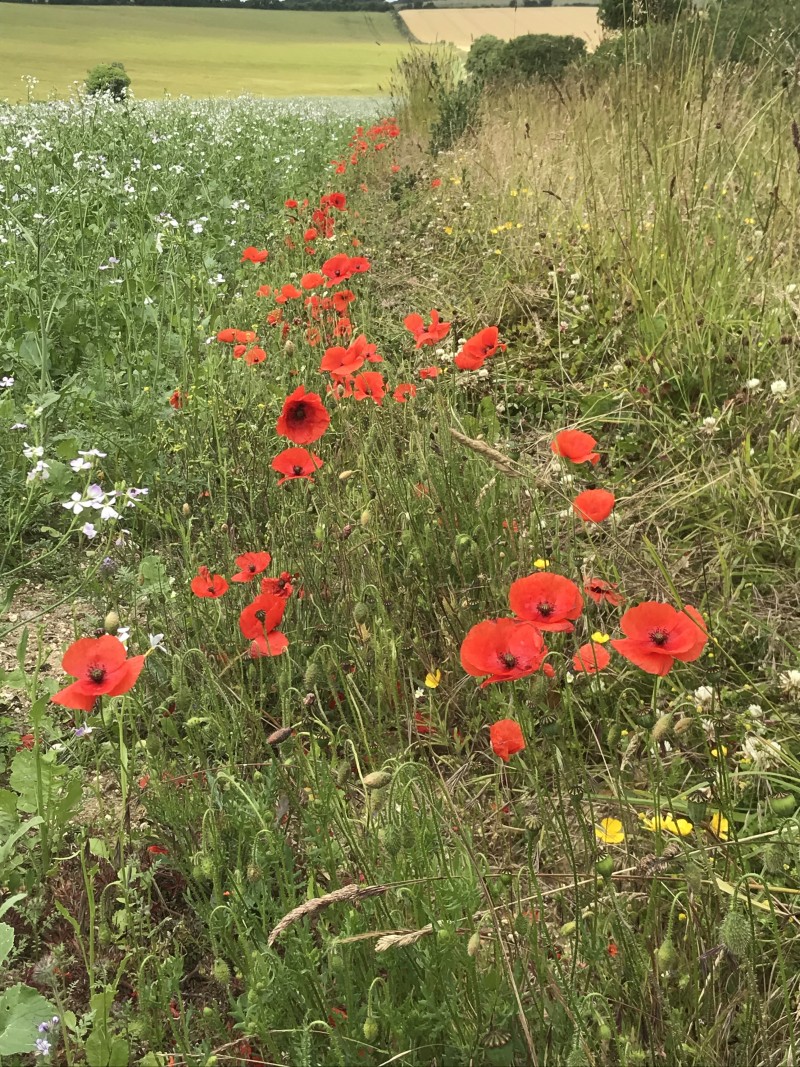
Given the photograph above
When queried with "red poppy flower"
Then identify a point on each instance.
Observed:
(369, 386)
(280, 586)
(296, 463)
(337, 200)
(594, 505)
(101, 667)
(26, 741)
(259, 622)
(311, 281)
(478, 348)
(405, 391)
(208, 586)
(591, 658)
(575, 445)
(430, 372)
(342, 299)
(600, 591)
(263, 290)
(290, 203)
(359, 265)
(275, 316)
(176, 400)
(504, 649)
(337, 269)
(250, 564)
(657, 634)
(254, 355)
(436, 183)
(311, 234)
(426, 335)
(239, 351)
(303, 418)
(288, 292)
(363, 348)
(254, 255)
(341, 362)
(506, 737)
(551, 601)
(227, 336)
(313, 336)
(422, 723)
(157, 850)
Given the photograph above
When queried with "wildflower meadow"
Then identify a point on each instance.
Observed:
(400, 611)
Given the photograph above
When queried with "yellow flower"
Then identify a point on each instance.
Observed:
(540, 564)
(448, 230)
(715, 751)
(719, 826)
(600, 638)
(432, 679)
(679, 827)
(609, 831)
(493, 230)
(513, 193)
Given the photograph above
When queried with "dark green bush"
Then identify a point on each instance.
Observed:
(458, 112)
(108, 78)
(540, 55)
(625, 14)
(486, 57)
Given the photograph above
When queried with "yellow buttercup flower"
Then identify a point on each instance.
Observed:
(600, 638)
(448, 230)
(671, 825)
(716, 751)
(719, 826)
(540, 564)
(432, 679)
(609, 831)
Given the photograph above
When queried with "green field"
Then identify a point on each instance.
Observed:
(197, 51)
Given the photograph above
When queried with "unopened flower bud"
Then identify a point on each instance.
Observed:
(288, 348)
(666, 954)
(735, 934)
(662, 727)
(186, 510)
(474, 944)
(377, 780)
(361, 612)
(365, 518)
(111, 622)
(370, 1028)
(277, 737)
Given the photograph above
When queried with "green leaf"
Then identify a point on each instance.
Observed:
(98, 847)
(6, 940)
(21, 1011)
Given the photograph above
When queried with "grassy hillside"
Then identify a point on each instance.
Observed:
(197, 51)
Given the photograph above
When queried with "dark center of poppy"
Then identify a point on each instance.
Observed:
(297, 469)
(659, 637)
(508, 660)
(546, 608)
(97, 674)
(252, 568)
(299, 412)
(261, 615)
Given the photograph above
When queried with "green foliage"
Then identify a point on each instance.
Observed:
(626, 14)
(458, 113)
(756, 31)
(486, 57)
(21, 1011)
(540, 55)
(110, 78)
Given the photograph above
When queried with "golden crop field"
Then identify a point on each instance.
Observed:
(461, 26)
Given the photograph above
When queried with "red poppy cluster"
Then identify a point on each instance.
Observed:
(374, 139)
(656, 635)
(260, 619)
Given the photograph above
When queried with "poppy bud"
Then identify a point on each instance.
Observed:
(208, 1011)
(365, 518)
(314, 676)
(361, 612)
(277, 737)
(186, 510)
(605, 867)
(474, 944)
(221, 972)
(204, 866)
(377, 780)
(345, 475)
(734, 933)
(666, 954)
(111, 622)
(253, 873)
(683, 724)
(288, 348)
(774, 857)
(370, 1028)
(783, 804)
(345, 532)
(342, 772)
(319, 533)
(662, 727)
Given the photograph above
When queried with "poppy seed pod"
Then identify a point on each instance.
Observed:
(377, 780)
(111, 622)
(783, 804)
(277, 737)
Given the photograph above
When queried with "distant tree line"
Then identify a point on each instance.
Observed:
(266, 5)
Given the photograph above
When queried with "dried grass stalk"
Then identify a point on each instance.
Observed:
(496, 458)
(348, 893)
(401, 940)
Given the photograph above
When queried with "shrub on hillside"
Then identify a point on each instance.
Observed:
(625, 14)
(486, 57)
(108, 78)
(541, 55)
